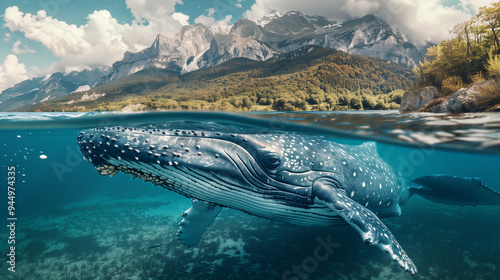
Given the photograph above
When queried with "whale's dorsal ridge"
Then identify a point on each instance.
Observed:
(370, 147)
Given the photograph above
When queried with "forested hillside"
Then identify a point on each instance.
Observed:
(311, 78)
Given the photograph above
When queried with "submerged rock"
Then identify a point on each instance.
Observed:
(414, 100)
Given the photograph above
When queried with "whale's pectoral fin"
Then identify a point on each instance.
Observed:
(196, 221)
(454, 190)
(369, 226)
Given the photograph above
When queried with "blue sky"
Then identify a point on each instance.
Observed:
(75, 34)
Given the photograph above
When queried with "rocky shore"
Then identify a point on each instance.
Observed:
(478, 97)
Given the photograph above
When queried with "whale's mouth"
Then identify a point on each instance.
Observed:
(167, 158)
(110, 170)
(146, 176)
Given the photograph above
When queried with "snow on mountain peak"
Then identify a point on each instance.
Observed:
(46, 77)
(268, 18)
(221, 28)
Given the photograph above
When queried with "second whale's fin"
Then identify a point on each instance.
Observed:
(368, 225)
(196, 221)
(453, 190)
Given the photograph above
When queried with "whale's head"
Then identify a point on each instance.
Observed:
(194, 162)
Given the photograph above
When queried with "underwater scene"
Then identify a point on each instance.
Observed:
(63, 220)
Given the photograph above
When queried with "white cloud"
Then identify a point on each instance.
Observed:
(211, 11)
(227, 19)
(59, 37)
(238, 5)
(182, 18)
(359, 8)
(207, 21)
(20, 48)
(421, 20)
(158, 13)
(102, 40)
(11, 72)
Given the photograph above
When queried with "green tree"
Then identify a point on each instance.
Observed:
(356, 103)
(368, 102)
(456, 62)
(381, 105)
(490, 16)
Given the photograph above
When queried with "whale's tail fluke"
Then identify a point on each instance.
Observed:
(453, 190)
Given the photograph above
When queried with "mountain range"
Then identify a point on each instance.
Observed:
(197, 47)
(309, 78)
(50, 87)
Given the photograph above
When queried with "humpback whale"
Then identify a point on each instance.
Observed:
(296, 179)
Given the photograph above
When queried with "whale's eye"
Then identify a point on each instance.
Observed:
(272, 161)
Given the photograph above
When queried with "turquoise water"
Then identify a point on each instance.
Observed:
(75, 224)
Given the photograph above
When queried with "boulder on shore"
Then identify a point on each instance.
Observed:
(478, 97)
(414, 100)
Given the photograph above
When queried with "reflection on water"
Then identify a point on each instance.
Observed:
(478, 131)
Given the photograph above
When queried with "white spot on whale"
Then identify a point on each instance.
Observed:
(364, 184)
(352, 193)
(43, 157)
